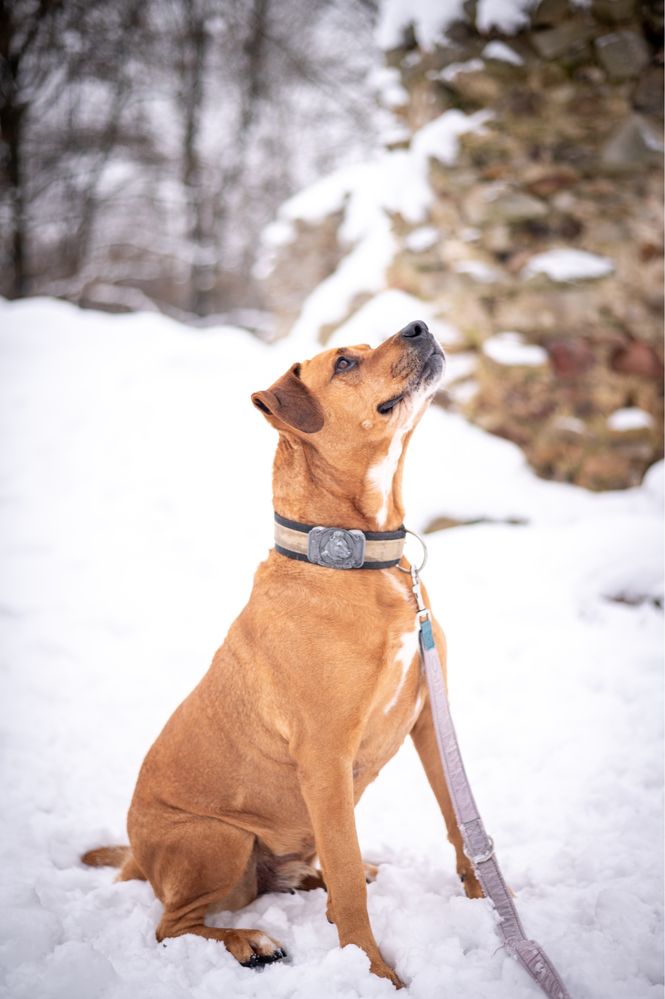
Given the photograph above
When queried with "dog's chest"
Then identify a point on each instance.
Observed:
(396, 704)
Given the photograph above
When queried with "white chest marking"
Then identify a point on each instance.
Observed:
(382, 474)
(404, 658)
(420, 700)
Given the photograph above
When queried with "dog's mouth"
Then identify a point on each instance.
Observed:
(389, 404)
(429, 374)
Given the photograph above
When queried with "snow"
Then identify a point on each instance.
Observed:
(429, 19)
(507, 16)
(569, 265)
(478, 270)
(390, 310)
(361, 271)
(460, 366)
(386, 82)
(368, 194)
(630, 418)
(135, 496)
(510, 348)
(502, 53)
(311, 205)
(453, 69)
(421, 239)
(440, 138)
(570, 423)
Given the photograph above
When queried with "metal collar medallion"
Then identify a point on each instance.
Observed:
(336, 548)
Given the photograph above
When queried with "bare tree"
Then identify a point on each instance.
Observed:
(145, 144)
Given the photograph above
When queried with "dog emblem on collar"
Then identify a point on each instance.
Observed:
(336, 548)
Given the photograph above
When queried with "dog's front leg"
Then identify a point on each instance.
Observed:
(327, 786)
(424, 739)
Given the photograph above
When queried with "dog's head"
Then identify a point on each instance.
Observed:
(357, 395)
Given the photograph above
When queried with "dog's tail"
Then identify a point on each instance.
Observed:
(115, 856)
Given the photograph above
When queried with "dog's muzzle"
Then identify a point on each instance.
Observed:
(433, 360)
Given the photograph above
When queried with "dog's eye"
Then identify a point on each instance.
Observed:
(344, 364)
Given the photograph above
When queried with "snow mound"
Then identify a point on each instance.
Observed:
(133, 447)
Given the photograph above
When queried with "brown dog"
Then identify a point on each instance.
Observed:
(318, 681)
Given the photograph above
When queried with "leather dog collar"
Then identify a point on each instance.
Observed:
(338, 547)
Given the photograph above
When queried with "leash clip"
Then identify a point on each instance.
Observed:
(422, 611)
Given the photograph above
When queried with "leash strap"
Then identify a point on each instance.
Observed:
(478, 846)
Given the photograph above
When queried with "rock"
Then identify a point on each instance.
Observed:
(562, 40)
(611, 469)
(570, 357)
(613, 11)
(623, 54)
(545, 181)
(636, 143)
(473, 84)
(548, 12)
(498, 203)
(653, 21)
(648, 93)
(637, 358)
(498, 240)
(318, 251)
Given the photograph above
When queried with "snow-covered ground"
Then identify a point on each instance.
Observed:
(135, 499)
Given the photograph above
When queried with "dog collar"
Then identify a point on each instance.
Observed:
(338, 547)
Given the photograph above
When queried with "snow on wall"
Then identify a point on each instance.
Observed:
(510, 348)
(630, 418)
(566, 264)
(368, 193)
(430, 19)
(506, 15)
(502, 52)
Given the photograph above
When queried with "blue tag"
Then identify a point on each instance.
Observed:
(427, 634)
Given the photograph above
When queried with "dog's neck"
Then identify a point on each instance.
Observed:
(367, 496)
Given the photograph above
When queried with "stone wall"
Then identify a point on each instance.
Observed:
(544, 240)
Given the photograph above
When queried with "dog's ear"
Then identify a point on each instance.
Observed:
(289, 401)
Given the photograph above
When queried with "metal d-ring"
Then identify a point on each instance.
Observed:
(424, 547)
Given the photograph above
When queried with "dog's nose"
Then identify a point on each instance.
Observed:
(414, 329)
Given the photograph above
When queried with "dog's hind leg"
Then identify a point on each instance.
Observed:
(315, 878)
(203, 862)
(115, 856)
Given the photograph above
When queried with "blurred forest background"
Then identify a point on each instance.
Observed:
(146, 143)
(493, 166)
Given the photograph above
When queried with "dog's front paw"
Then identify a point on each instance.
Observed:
(383, 970)
(471, 883)
(371, 872)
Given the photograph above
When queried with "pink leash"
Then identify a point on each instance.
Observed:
(478, 846)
